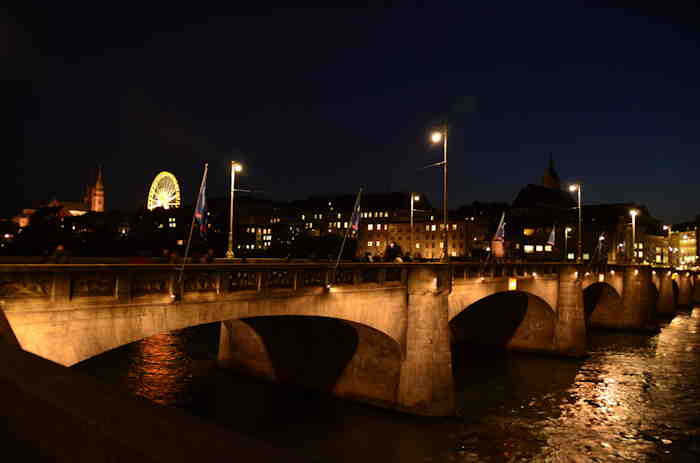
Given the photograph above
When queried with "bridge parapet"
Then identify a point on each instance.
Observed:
(89, 284)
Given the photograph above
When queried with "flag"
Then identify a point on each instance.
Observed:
(551, 239)
(501, 230)
(355, 218)
(200, 210)
(497, 248)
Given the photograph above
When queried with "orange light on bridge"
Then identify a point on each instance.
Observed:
(512, 284)
(636, 271)
(612, 272)
(534, 274)
(653, 272)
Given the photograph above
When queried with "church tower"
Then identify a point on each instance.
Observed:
(550, 179)
(96, 194)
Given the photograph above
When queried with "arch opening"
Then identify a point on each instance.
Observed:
(512, 320)
(602, 304)
(317, 353)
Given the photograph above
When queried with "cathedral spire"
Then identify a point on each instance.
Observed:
(550, 179)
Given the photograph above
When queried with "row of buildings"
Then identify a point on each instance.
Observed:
(540, 224)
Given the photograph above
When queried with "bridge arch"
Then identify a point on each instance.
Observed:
(73, 336)
(321, 353)
(602, 304)
(514, 320)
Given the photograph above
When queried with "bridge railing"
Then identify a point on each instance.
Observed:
(60, 284)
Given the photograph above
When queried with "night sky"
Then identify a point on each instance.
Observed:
(326, 101)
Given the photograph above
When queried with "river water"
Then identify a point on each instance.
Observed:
(636, 398)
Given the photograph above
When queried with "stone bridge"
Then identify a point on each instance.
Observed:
(379, 333)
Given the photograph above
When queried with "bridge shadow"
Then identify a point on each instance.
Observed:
(491, 321)
(514, 320)
(306, 352)
(600, 298)
(7, 335)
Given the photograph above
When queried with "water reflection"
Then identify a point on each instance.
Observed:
(635, 398)
(160, 370)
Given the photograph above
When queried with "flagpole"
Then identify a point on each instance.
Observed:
(347, 230)
(189, 239)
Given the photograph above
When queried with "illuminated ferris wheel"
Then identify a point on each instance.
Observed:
(164, 192)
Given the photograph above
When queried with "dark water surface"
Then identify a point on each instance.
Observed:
(636, 398)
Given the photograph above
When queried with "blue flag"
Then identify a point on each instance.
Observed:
(200, 211)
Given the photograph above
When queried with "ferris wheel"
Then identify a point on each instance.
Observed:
(164, 192)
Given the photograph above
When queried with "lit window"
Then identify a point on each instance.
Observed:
(370, 226)
(338, 214)
(345, 225)
(586, 256)
(454, 254)
(454, 226)
(548, 248)
(417, 245)
(369, 243)
(427, 228)
(539, 248)
(640, 253)
(377, 243)
(528, 248)
(386, 214)
(658, 258)
(528, 231)
(432, 217)
(442, 244)
(433, 227)
(570, 256)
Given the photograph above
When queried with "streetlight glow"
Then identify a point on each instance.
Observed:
(572, 188)
(235, 167)
(436, 137)
(416, 198)
(633, 213)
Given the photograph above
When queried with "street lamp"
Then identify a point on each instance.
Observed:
(567, 230)
(235, 167)
(414, 198)
(633, 213)
(436, 137)
(572, 188)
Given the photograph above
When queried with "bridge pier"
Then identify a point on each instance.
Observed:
(570, 328)
(426, 384)
(685, 291)
(666, 303)
(638, 298)
(696, 290)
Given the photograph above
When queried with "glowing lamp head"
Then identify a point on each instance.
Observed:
(436, 137)
(416, 198)
(666, 227)
(568, 229)
(236, 167)
(634, 212)
(573, 187)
